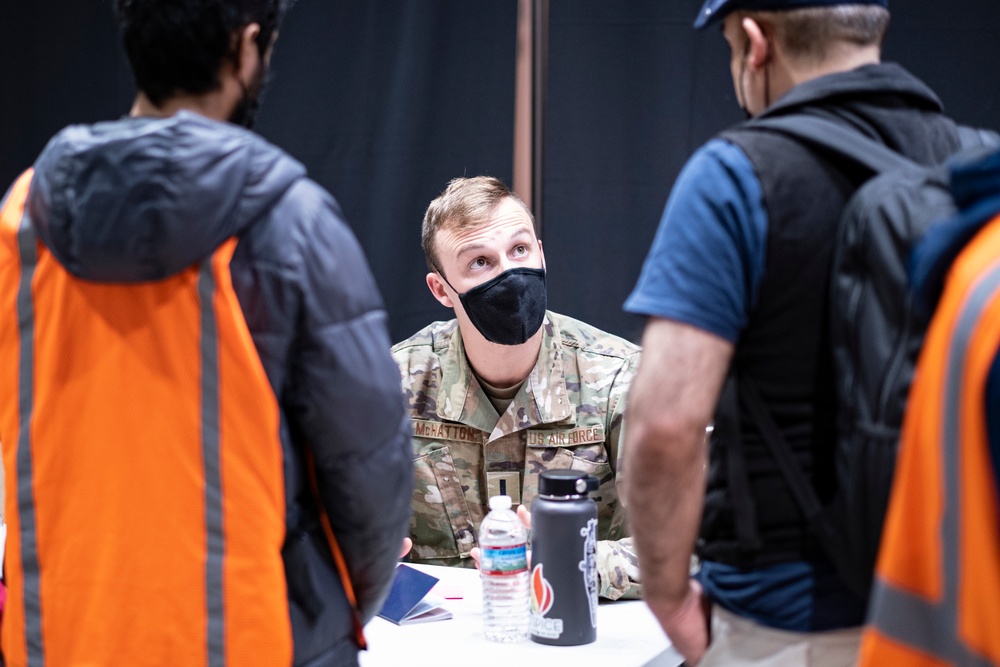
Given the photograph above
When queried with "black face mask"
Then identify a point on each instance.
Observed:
(508, 309)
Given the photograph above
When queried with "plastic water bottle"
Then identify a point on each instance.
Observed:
(503, 566)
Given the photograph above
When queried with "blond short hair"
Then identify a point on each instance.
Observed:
(465, 203)
(809, 34)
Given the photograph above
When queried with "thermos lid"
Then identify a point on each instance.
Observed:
(566, 483)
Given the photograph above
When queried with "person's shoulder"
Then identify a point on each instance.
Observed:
(723, 151)
(432, 340)
(269, 168)
(303, 225)
(306, 202)
(579, 335)
(721, 164)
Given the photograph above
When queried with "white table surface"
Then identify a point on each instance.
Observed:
(627, 635)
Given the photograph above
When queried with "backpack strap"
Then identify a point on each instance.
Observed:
(802, 490)
(833, 137)
(727, 429)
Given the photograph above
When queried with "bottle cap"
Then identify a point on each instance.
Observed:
(566, 483)
(500, 503)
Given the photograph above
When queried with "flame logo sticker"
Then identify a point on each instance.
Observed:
(541, 592)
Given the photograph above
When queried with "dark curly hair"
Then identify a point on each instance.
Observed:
(179, 46)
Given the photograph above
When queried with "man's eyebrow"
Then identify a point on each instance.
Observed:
(478, 245)
(475, 245)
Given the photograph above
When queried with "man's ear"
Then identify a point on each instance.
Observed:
(436, 285)
(760, 48)
(248, 53)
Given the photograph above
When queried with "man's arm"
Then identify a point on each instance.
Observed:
(347, 407)
(618, 570)
(671, 402)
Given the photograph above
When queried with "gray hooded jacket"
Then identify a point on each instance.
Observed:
(140, 199)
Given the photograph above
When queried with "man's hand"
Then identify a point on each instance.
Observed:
(687, 625)
(525, 516)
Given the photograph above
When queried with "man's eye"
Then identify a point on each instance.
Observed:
(479, 263)
(521, 250)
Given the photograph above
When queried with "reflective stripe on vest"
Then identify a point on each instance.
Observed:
(208, 585)
(25, 490)
(213, 481)
(925, 627)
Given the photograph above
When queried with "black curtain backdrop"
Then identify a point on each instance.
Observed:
(633, 91)
(385, 100)
(60, 62)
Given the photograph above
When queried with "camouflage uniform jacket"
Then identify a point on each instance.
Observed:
(567, 414)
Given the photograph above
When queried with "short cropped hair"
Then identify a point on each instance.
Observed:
(179, 46)
(809, 34)
(465, 203)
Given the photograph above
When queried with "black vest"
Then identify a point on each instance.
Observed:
(750, 518)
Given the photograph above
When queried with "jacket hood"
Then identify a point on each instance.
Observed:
(975, 187)
(141, 199)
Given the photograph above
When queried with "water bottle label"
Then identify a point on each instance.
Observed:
(542, 599)
(543, 596)
(504, 560)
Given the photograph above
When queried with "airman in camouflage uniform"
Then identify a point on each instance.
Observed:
(567, 413)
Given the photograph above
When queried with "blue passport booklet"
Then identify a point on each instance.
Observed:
(408, 601)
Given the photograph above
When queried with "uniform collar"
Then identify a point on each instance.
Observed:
(543, 398)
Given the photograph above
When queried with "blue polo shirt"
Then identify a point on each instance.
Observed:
(704, 269)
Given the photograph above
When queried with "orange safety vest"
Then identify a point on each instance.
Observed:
(145, 493)
(936, 599)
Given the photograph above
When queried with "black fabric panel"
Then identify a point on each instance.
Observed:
(385, 102)
(633, 90)
(951, 46)
(61, 62)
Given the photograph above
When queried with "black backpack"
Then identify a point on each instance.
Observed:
(875, 333)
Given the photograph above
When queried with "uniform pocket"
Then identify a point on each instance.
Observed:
(591, 459)
(441, 526)
(580, 449)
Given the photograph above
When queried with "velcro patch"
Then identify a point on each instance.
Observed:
(577, 436)
(438, 431)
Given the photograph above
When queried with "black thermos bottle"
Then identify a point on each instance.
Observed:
(563, 559)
